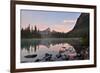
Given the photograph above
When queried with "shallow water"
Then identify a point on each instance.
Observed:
(51, 49)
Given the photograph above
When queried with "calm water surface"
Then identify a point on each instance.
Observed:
(51, 49)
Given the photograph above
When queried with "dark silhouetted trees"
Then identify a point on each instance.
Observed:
(33, 32)
(30, 33)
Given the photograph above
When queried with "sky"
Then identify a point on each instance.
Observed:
(58, 21)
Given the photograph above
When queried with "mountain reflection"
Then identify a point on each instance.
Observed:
(27, 44)
(43, 50)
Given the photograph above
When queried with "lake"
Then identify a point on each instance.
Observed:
(53, 49)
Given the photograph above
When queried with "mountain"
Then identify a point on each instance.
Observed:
(47, 30)
(45, 33)
(81, 28)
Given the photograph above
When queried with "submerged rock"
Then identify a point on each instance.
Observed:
(58, 55)
(37, 60)
(47, 54)
(47, 57)
(31, 56)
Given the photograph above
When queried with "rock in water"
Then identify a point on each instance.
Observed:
(31, 56)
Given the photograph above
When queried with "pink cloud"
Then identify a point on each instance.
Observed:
(69, 21)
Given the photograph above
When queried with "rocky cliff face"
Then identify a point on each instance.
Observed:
(82, 26)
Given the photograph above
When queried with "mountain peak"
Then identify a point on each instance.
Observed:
(47, 30)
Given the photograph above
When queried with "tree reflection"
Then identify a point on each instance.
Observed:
(81, 52)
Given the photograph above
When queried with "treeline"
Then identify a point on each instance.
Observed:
(58, 35)
(27, 33)
(36, 33)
